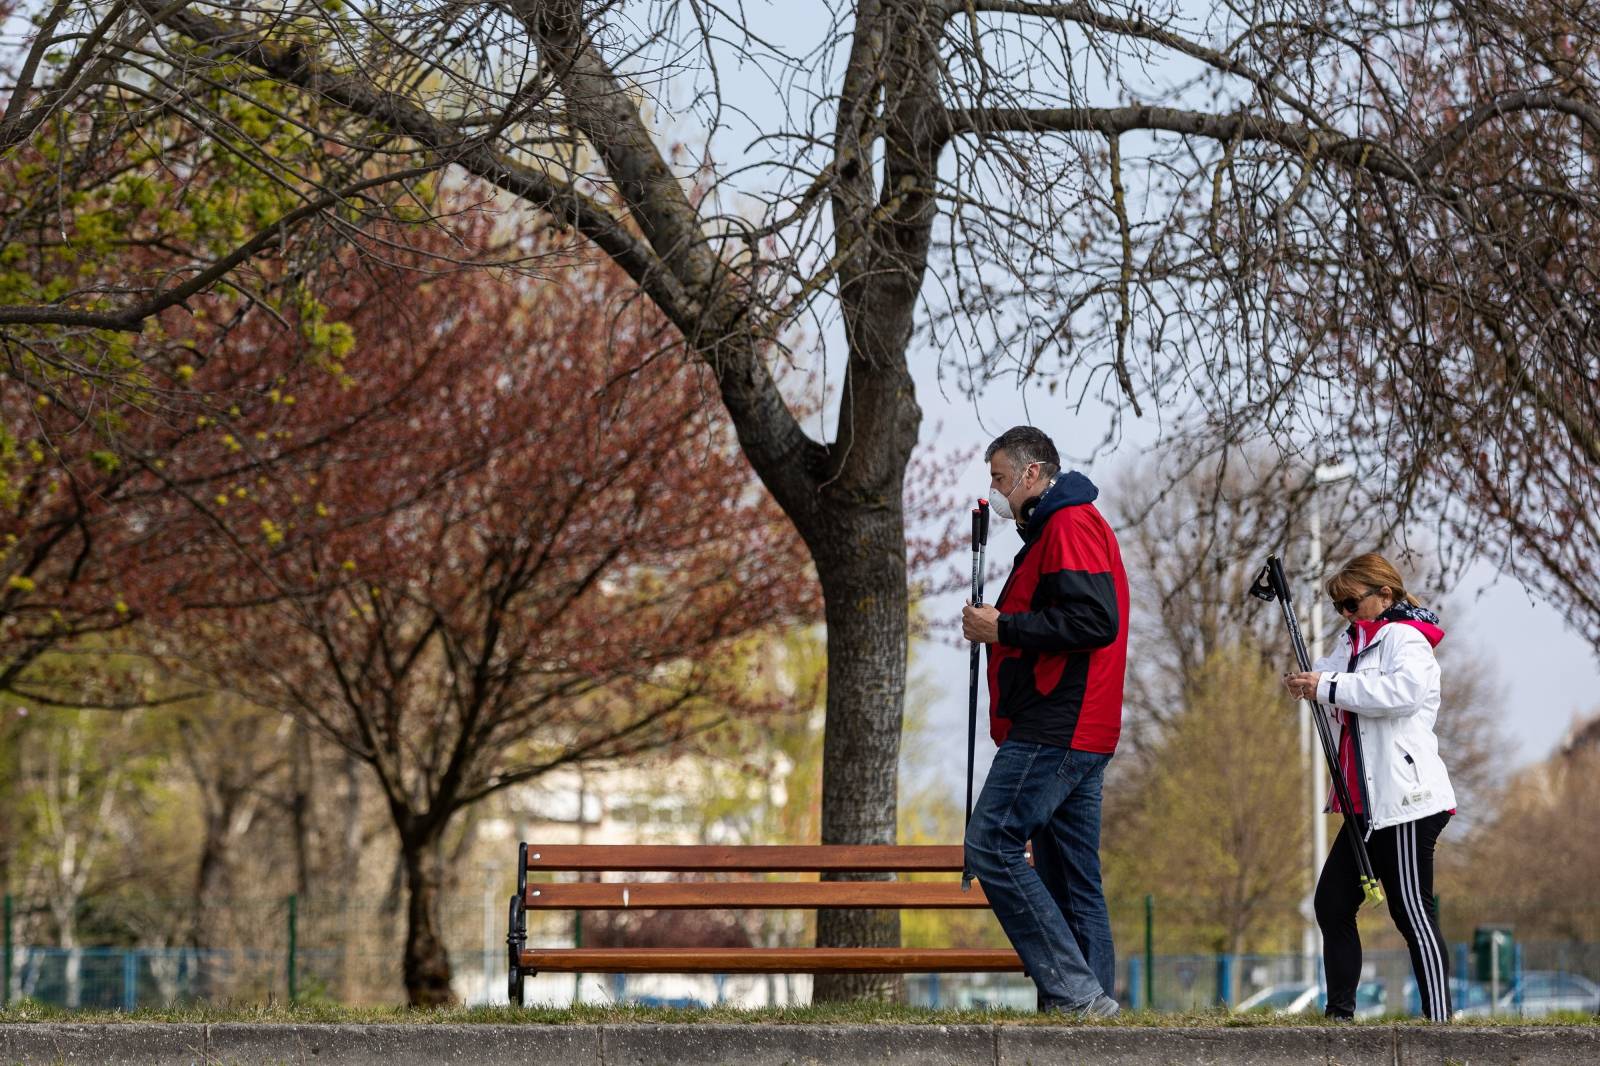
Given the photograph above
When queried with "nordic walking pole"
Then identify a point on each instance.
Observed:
(980, 540)
(1272, 585)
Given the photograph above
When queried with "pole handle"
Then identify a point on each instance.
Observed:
(980, 538)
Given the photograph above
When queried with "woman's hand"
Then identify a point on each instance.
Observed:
(1303, 686)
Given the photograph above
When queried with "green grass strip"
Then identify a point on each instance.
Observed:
(822, 1014)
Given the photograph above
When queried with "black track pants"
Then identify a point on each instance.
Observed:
(1402, 857)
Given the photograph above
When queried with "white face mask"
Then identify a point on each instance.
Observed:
(1000, 507)
(1000, 504)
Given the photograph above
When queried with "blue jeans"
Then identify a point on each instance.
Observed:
(1054, 911)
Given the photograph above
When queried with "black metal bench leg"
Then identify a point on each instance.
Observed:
(517, 930)
(516, 940)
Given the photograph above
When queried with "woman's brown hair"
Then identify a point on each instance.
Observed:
(1367, 573)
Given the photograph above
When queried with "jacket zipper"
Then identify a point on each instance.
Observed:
(1355, 745)
(988, 654)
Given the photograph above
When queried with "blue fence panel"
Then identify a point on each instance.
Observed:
(128, 979)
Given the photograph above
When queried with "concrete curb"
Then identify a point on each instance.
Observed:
(709, 1044)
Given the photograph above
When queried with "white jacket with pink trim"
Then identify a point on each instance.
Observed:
(1393, 693)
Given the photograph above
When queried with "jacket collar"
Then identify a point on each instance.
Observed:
(1068, 489)
(1418, 618)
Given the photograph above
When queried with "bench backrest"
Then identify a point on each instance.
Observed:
(860, 881)
(748, 859)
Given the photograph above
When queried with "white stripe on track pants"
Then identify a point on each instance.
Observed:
(1402, 857)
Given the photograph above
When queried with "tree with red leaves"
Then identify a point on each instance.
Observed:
(502, 532)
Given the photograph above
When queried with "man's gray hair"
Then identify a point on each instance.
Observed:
(1024, 445)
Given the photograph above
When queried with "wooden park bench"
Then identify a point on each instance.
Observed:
(749, 860)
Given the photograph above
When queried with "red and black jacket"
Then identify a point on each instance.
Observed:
(1056, 675)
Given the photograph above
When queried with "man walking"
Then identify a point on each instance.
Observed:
(1057, 639)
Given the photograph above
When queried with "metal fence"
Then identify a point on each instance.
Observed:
(334, 951)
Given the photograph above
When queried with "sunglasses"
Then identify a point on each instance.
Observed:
(1349, 604)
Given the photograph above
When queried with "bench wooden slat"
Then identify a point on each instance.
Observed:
(772, 895)
(763, 858)
(771, 960)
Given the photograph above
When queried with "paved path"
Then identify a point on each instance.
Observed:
(707, 1044)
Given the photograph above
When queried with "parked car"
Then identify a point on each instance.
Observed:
(1280, 999)
(675, 1002)
(1465, 995)
(1371, 999)
(1001, 995)
(1541, 992)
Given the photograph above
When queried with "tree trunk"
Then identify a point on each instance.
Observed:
(861, 549)
(209, 889)
(864, 586)
(350, 884)
(427, 962)
(67, 939)
(301, 785)
(10, 737)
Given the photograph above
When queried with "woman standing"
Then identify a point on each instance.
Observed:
(1380, 686)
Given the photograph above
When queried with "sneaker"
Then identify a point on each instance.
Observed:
(1101, 1006)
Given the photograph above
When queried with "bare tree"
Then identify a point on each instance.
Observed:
(1195, 536)
(81, 775)
(232, 754)
(1286, 221)
(1541, 832)
(1215, 808)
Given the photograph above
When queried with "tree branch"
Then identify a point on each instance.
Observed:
(1351, 152)
(132, 319)
(293, 64)
(1450, 142)
(1145, 30)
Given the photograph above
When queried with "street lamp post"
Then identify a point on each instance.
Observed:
(491, 911)
(1316, 772)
